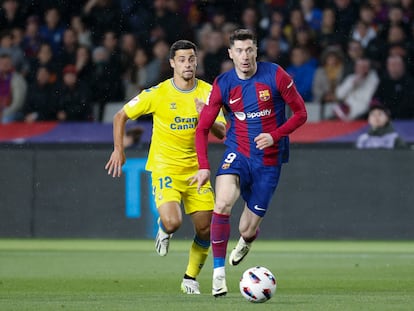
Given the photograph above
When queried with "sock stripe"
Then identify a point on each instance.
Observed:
(218, 262)
(201, 243)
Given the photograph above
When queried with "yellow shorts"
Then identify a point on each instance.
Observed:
(176, 188)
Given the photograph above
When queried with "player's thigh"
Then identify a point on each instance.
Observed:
(263, 185)
(195, 200)
(227, 192)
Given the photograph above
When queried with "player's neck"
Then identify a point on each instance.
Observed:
(182, 84)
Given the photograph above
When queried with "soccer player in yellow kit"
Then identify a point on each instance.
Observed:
(175, 105)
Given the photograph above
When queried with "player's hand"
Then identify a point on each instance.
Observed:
(202, 177)
(263, 140)
(114, 165)
(199, 105)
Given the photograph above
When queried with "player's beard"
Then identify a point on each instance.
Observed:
(187, 76)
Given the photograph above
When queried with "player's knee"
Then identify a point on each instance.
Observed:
(222, 207)
(203, 232)
(171, 224)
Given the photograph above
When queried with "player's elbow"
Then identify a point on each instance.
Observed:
(303, 116)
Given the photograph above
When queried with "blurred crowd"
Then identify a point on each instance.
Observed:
(61, 58)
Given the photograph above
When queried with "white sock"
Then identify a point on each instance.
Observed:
(220, 271)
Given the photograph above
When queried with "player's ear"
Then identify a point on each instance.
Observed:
(172, 64)
(230, 53)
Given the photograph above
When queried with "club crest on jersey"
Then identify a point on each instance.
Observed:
(173, 106)
(225, 166)
(264, 95)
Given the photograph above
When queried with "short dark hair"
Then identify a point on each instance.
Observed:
(242, 35)
(182, 45)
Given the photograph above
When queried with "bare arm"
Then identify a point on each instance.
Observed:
(117, 159)
(219, 130)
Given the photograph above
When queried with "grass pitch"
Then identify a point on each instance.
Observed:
(129, 275)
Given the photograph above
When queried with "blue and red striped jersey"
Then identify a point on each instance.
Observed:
(255, 105)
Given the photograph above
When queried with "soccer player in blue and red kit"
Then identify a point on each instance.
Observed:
(254, 95)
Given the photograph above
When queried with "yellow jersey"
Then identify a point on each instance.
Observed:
(175, 118)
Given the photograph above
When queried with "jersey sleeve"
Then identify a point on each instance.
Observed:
(141, 104)
(292, 98)
(207, 117)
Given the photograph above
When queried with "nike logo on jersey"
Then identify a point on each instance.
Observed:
(257, 208)
(290, 84)
(232, 101)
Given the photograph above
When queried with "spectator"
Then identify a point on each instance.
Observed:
(107, 84)
(273, 53)
(354, 51)
(137, 16)
(250, 20)
(346, 13)
(226, 65)
(381, 133)
(378, 50)
(396, 90)
(13, 88)
(363, 33)
(41, 98)
(215, 54)
(159, 67)
(227, 30)
(327, 77)
(302, 70)
(408, 9)
(304, 38)
(326, 36)
(218, 19)
(101, 16)
(45, 58)
(74, 101)
(83, 34)
(83, 64)
(380, 8)
(395, 18)
(67, 55)
(137, 79)
(127, 51)
(296, 22)
(312, 14)
(11, 15)
(17, 37)
(356, 91)
(31, 39)
(276, 33)
(367, 16)
(169, 24)
(111, 43)
(396, 35)
(52, 31)
(39, 7)
(400, 49)
(15, 52)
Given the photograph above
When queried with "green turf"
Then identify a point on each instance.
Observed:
(128, 275)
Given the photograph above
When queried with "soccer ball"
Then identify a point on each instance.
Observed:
(258, 284)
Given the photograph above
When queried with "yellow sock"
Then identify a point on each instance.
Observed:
(197, 257)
